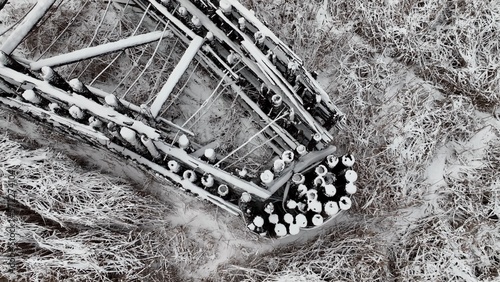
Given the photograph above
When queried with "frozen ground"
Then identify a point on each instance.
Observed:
(419, 82)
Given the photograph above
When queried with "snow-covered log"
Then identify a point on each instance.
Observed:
(216, 173)
(186, 184)
(24, 28)
(6, 87)
(91, 52)
(173, 19)
(83, 103)
(176, 74)
(137, 109)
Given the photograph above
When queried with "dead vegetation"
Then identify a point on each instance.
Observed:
(411, 76)
(350, 253)
(450, 43)
(69, 223)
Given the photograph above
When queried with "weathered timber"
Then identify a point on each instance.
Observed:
(91, 52)
(24, 28)
(176, 74)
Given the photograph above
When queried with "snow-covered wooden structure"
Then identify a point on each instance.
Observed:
(302, 185)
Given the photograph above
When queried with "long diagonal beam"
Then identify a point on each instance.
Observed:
(176, 74)
(87, 53)
(106, 113)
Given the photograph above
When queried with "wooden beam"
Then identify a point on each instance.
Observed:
(173, 19)
(91, 52)
(106, 113)
(138, 109)
(283, 134)
(24, 28)
(176, 74)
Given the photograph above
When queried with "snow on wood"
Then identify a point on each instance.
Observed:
(251, 137)
(173, 19)
(5, 87)
(250, 17)
(55, 119)
(271, 73)
(87, 53)
(83, 103)
(282, 180)
(289, 140)
(24, 28)
(176, 178)
(176, 74)
(220, 35)
(260, 68)
(221, 61)
(110, 114)
(289, 98)
(324, 95)
(138, 109)
(220, 174)
(201, 151)
(313, 158)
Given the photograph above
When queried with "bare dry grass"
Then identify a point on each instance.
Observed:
(350, 253)
(74, 224)
(405, 98)
(410, 75)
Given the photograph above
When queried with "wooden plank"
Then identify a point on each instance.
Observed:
(173, 19)
(217, 173)
(221, 61)
(91, 52)
(138, 109)
(201, 151)
(176, 74)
